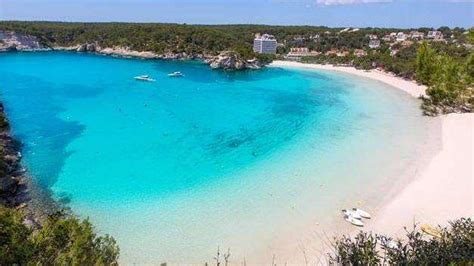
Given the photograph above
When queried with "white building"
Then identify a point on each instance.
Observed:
(297, 53)
(265, 44)
(435, 35)
(302, 50)
(416, 35)
(374, 44)
(401, 37)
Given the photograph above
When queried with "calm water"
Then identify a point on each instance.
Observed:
(175, 168)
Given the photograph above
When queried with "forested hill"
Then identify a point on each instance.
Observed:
(202, 39)
(153, 37)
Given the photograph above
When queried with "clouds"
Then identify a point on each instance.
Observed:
(349, 2)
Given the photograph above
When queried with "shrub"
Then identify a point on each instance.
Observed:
(62, 240)
(452, 245)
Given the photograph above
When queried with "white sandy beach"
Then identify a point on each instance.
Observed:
(443, 190)
(407, 86)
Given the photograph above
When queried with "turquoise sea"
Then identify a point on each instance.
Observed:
(260, 162)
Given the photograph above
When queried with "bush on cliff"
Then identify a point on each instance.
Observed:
(453, 245)
(62, 240)
(449, 80)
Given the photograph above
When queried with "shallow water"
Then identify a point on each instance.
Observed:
(174, 168)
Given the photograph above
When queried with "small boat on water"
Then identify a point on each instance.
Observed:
(352, 213)
(144, 78)
(176, 74)
(352, 220)
(361, 213)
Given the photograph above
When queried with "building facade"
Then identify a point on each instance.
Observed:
(265, 44)
(416, 35)
(401, 37)
(435, 35)
(374, 44)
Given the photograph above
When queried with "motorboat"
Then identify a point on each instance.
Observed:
(176, 74)
(352, 213)
(144, 78)
(361, 213)
(349, 218)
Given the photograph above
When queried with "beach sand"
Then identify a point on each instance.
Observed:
(407, 86)
(443, 189)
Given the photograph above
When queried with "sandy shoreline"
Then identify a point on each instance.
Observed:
(407, 86)
(443, 190)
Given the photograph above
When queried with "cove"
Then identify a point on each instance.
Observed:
(172, 169)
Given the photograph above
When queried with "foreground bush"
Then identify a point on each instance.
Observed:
(452, 245)
(61, 240)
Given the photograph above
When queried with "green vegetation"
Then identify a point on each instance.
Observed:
(156, 37)
(425, 64)
(61, 240)
(454, 245)
(449, 80)
(202, 39)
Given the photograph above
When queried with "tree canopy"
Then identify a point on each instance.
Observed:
(449, 80)
(61, 240)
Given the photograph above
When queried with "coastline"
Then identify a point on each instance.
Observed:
(224, 60)
(442, 190)
(407, 86)
(17, 190)
(392, 215)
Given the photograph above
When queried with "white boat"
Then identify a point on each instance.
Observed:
(361, 213)
(353, 220)
(176, 74)
(144, 78)
(352, 213)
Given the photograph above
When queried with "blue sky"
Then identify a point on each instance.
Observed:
(360, 13)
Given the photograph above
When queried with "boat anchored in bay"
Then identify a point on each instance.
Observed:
(176, 74)
(144, 78)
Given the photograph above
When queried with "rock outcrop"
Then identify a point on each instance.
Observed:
(431, 108)
(227, 61)
(127, 52)
(66, 48)
(231, 61)
(11, 41)
(88, 47)
(12, 179)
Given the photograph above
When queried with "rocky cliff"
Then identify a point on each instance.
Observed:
(12, 179)
(11, 41)
(231, 61)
